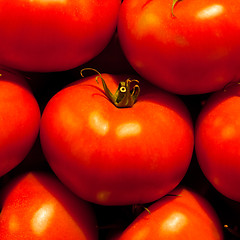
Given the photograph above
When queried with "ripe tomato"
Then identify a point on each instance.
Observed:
(115, 156)
(194, 51)
(37, 206)
(19, 120)
(54, 35)
(218, 140)
(184, 217)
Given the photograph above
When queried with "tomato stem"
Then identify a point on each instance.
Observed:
(125, 96)
(173, 5)
(230, 84)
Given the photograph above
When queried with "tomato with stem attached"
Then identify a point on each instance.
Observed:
(186, 47)
(117, 149)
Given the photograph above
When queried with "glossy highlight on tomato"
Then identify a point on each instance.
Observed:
(183, 215)
(54, 35)
(116, 156)
(19, 119)
(192, 50)
(217, 135)
(37, 205)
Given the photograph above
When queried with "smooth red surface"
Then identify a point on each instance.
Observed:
(195, 51)
(186, 216)
(19, 120)
(114, 156)
(218, 139)
(54, 35)
(37, 206)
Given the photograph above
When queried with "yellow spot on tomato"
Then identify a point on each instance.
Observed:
(216, 181)
(13, 223)
(142, 234)
(103, 196)
(228, 132)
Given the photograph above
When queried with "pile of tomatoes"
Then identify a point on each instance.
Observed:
(119, 120)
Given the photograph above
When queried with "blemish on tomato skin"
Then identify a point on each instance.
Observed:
(14, 223)
(143, 233)
(228, 132)
(103, 196)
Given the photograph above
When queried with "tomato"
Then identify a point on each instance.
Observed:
(184, 217)
(54, 35)
(37, 206)
(194, 49)
(19, 119)
(217, 141)
(114, 155)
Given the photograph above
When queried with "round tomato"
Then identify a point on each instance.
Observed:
(54, 35)
(19, 120)
(185, 216)
(37, 206)
(190, 49)
(112, 155)
(218, 139)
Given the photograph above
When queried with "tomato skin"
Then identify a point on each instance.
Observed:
(183, 217)
(19, 120)
(116, 156)
(217, 136)
(195, 52)
(38, 206)
(48, 36)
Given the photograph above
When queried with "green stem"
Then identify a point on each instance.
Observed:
(125, 96)
(173, 5)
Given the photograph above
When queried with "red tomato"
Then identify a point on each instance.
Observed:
(195, 51)
(19, 120)
(54, 35)
(115, 156)
(37, 206)
(184, 217)
(218, 140)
